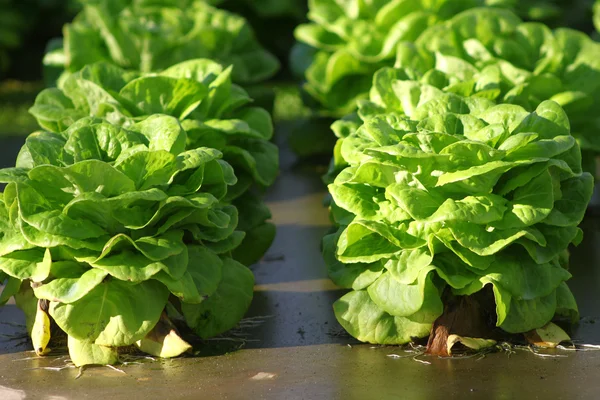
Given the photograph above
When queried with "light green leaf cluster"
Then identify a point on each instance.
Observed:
(111, 224)
(348, 41)
(150, 36)
(491, 53)
(596, 11)
(213, 111)
(438, 193)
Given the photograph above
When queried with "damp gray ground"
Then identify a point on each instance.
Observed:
(291, 347)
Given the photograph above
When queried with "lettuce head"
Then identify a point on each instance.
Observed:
(491, 53)
(213, 111)
(109, 232)
(346, 42)
(438, 195)
(151, 36)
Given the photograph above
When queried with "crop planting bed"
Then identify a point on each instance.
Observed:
(291, 347)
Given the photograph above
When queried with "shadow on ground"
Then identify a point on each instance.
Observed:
(13, 334)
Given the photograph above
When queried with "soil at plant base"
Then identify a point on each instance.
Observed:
(291, 346)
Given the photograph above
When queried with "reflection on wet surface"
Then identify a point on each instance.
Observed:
(293, 347)
(313, 285)
(326, 371)
(11, 394)
(305, 210)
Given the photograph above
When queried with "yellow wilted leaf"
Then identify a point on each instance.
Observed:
(40, 333)
(548, 336)
(163, 340)
(471, 343)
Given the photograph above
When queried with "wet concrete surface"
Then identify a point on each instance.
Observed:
(291, 346)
